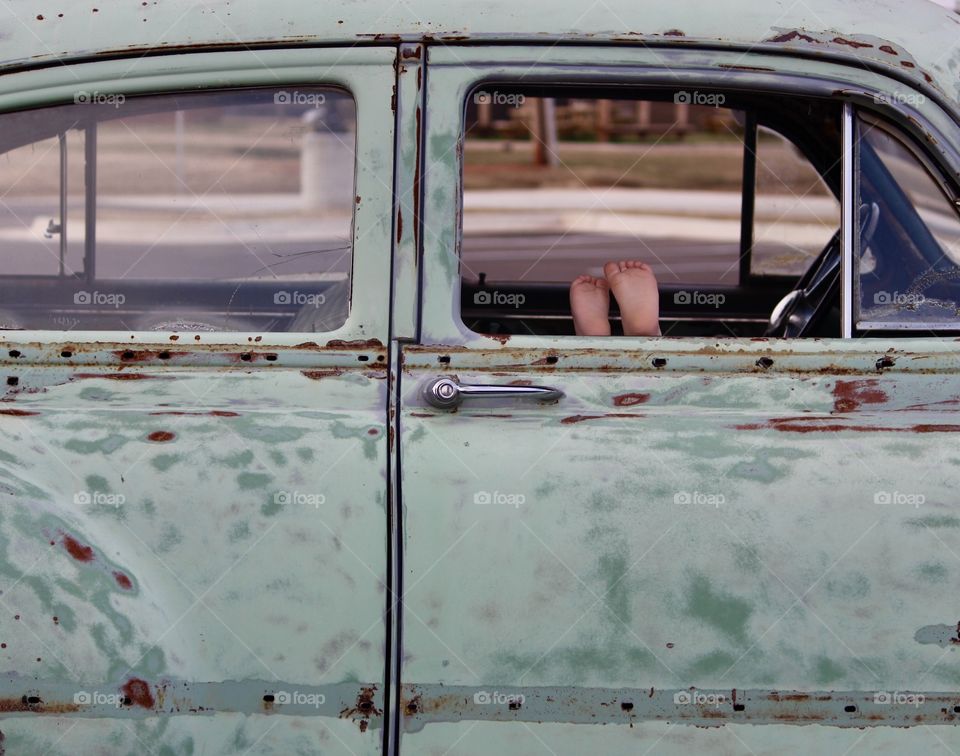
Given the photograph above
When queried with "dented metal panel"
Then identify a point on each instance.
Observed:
(193, 525)
(193, 541)
(722, 542)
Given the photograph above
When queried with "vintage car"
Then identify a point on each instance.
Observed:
(299, 452)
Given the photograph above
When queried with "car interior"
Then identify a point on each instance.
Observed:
(897, 248)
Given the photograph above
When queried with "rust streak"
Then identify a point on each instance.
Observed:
(583, 418)
(850, 395)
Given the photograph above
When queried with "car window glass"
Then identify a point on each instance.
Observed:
(226, 211)
(908, 258)
(795, 213)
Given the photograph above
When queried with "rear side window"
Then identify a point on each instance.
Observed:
(221, 211)
(554, 187)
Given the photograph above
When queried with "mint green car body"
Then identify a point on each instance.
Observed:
(206, 616)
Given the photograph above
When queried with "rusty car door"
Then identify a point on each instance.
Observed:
(688, 532)
(193, 548)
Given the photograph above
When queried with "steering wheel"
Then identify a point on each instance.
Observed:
(800, 311)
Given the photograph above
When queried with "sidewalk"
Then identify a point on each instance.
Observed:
(252, 218)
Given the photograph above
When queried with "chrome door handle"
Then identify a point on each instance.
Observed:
(446, 393)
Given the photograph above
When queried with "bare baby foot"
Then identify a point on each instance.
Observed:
(635, 288)
(590, 303)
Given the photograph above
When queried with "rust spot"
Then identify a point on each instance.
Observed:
(794, 35)
(413, 706)
(583, 418)
(628, 400)
(674, 33)
(76, 549)
(123, 581)
(850, 395)
(503, 338)
(907, 64)
(138, 692)
(368, 344)
(358, 199)
(17, 413)
(161, 437)
(851, 43)
(887, 49)
(409, 53)
(550, 359)
(399, 225)
(117, 376)
(373, 432)
(36, 704)
(364, 708)
(56, 620)
(319, 375)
